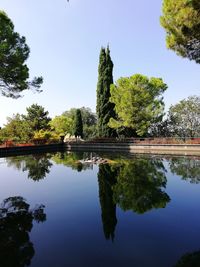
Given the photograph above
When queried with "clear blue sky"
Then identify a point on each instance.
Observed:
(65, 39)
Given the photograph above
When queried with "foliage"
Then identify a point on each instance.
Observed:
(160, 129)
(89, 120)
(78, 124)
(62, 125)
(14, 52)
(184, 117)
(105, 109)
(37, 118)
(16, 129)
(138, 102)
(25, 127)
(88, 117)
(181, 20)
(89, 132)
(45, 136)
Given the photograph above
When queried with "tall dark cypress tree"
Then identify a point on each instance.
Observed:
(78, 124)
(105, 109)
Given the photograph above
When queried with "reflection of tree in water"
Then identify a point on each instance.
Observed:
(37, 166)
(16, 221)
(139, 185)
(72, 160)
(188, 168)
(189, 260)
(107, 178)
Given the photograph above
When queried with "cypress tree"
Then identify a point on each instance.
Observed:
(105, 109)
(78, 124)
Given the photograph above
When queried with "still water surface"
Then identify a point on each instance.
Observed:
(137, 211)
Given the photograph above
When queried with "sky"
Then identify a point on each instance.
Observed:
(65, 39)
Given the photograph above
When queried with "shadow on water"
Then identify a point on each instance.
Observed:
(16, 222)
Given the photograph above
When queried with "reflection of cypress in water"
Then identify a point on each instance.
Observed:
(16, 221)
(106, 179)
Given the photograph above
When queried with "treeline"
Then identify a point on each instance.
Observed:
(182, 120)
(37, 125)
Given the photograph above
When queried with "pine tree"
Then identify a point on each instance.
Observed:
(78, 124)
(105, 109)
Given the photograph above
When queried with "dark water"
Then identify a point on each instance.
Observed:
(136, 211)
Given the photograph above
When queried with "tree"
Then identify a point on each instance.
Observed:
(160, 129)
(88, 117)
(16, 129)
(105, 109)
(89, 120)
(181, 20)
(184, 117)
(78, 124)
(62, 125)
(138, 102)
(14, 52)
(37, 118)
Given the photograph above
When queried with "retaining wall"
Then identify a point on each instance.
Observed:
(24, 150)
(124, 147)
(135, 148)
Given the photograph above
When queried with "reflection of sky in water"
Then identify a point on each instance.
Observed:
(73, 233)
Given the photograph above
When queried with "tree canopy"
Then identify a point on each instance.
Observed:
(15, 129)
(184, 117)
(138, 102)
(62, 125)
(14, 73)
(37, 118)
(181, 20)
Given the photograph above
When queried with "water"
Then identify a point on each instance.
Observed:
(136, 211)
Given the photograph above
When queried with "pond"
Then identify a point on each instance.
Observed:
(135, 210)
